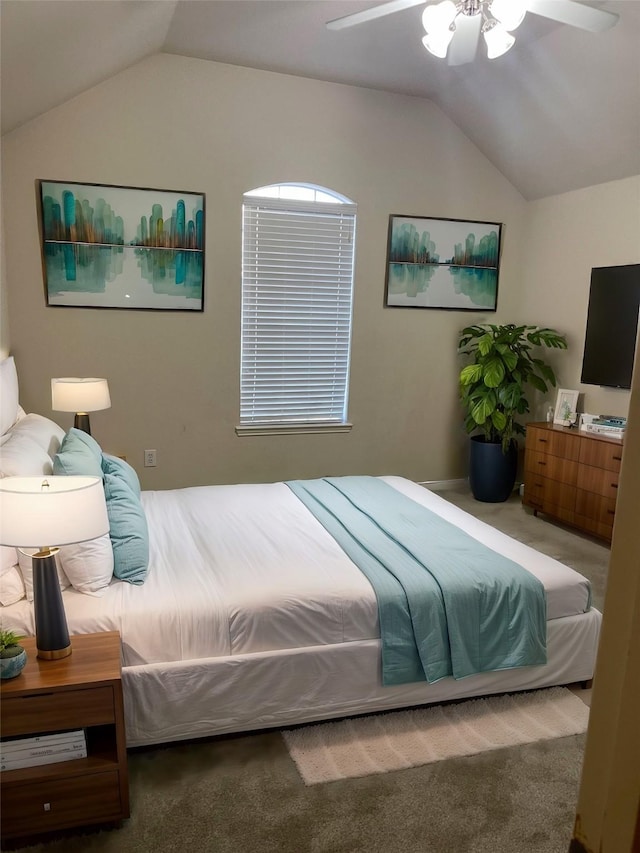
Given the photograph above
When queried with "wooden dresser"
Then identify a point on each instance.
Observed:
(572, 476)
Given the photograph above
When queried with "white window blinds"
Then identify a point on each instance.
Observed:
(297, 286)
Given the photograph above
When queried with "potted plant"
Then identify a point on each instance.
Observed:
(12, 656)
(493, 389)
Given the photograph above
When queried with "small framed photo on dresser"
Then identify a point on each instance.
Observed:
(566, 407)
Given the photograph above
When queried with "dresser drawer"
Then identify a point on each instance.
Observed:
(558, 512)
(598, 480)
(553, 467)
(540, 490)
(65, 709)
(43, 806)
(596, 528)
(601, 454)
(564, 445)
(599, 509)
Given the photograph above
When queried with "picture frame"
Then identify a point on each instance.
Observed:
(448, 264)
(565, 412)
(111, 246)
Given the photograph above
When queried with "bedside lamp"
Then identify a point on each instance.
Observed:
(72, 394)
(55, 510)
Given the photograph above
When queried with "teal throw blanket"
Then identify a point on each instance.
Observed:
(448, 605)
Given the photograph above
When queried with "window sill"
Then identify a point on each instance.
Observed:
(291, 429)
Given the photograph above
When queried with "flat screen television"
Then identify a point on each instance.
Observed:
(612, 326)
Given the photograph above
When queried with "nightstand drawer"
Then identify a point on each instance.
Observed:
(65, 709)
(43, 806)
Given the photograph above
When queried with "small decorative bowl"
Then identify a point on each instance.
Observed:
(10, 667)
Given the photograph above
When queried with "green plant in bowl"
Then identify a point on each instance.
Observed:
(13, 657)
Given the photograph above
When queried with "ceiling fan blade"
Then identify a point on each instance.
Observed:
(373, 13)
(464, 45)
(576, 14)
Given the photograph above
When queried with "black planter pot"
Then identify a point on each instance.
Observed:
(492, 473)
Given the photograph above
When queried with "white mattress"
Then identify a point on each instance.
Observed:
(244, 569)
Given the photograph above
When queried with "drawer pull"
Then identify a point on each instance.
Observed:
(542, 463)
(539, 485)
(614, 485)
(611, 511)
(617, 458)
(543, 440)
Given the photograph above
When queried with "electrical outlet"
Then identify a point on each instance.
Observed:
(150, 459)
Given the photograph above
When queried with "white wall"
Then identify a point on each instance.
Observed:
(191, 125)
(565, 236)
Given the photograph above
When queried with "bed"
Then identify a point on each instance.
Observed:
(251, 615)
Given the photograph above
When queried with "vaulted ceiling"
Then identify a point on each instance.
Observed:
(559, 111)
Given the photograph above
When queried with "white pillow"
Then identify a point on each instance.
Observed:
(8, 558)
(8, 394)
(88, 565)
(46, 434)
(26, 568)
(11, 586)
(21, 456)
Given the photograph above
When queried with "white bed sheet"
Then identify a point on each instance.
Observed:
(246, 569)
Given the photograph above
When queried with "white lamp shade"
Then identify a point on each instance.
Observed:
(439, 17)
(510, 13)
(37, 512)
(498, 41)
(72, 394)
(438, 43)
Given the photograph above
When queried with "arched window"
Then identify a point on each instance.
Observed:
(297, 291)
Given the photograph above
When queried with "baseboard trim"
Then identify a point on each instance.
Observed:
(444, 484)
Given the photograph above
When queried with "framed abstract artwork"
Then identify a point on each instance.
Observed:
(107, 246)
(442, 263)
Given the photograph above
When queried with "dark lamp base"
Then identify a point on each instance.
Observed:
(81, 421)
(52, 634)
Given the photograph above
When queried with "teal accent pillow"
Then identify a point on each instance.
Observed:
(80, 455)
(128, 530)
(121, 469)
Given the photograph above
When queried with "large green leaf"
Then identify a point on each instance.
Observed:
(499, 420)
(485, 344)
(470, 374)
(493, 370)
(537, 382)
(483, 408)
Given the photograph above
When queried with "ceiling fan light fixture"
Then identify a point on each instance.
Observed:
(498, 40)
(509, 13)
(438, 43)
(438, 17)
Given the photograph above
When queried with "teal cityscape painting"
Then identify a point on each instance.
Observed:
(108, 246)
(442, 263)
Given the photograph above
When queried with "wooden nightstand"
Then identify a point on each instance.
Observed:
(83, 690)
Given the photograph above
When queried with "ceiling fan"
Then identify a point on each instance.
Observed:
(459, 24)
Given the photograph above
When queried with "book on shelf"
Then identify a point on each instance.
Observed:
(42, 749)
(16, 743)
(35, 760)
(35, 751)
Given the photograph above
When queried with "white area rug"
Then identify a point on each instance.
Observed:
(401, 739)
